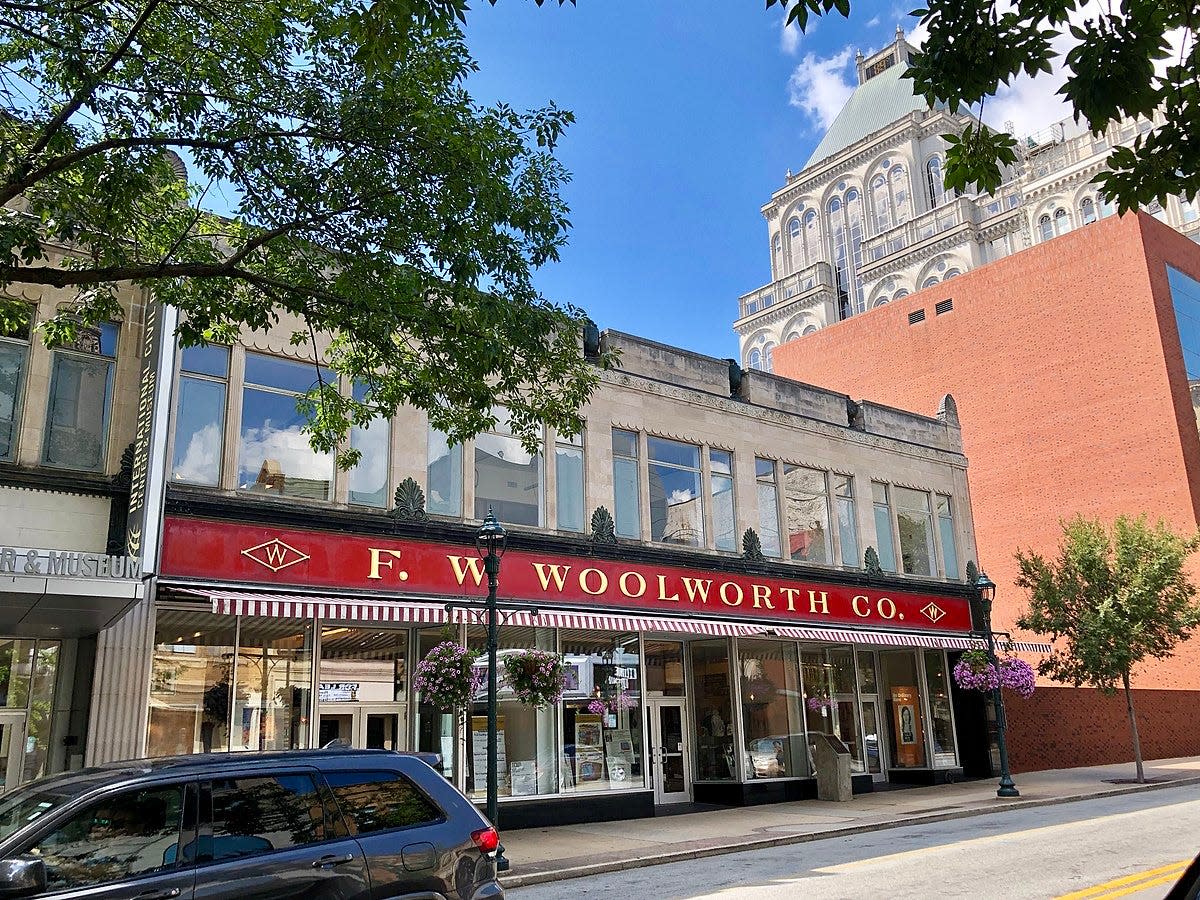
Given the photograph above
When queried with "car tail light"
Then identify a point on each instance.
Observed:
(486, 839)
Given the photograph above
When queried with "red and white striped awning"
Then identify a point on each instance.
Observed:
(360, 609)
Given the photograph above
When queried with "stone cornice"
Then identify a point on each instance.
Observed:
(778, 312)
(926, 249)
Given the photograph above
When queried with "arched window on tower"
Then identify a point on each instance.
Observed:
(812, 241)
(937, 185)
(795, 251)
(792, 336)
(777, 256)
(1062, 222)
(881, 201)
(1087, 211)
(854, 219)
(901, 202)
(755, 359)
(1046, 227)
(768, 356)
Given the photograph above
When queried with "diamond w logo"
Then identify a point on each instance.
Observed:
(275, 554)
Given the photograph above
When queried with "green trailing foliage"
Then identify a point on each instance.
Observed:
(1119, 65)
(339, 174)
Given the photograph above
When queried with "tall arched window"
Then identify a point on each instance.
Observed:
(1046, 227)
(937, 185)
(881, 201)
(755, 359)
(1087, 211)
(795, 251)
(901, 202)
(855, 218)
(777, 256)
(1062, 222)
(768, 356)
(812, 239)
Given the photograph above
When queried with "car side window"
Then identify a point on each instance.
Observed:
(258, 814)
(122, 836)
(377, 801)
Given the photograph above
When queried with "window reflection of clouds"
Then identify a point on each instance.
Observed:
(199, 423)
(274, 449)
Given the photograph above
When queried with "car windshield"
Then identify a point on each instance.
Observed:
(19, 808)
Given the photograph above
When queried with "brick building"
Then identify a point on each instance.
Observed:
(1072, 386)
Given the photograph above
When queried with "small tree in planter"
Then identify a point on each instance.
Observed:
(536, 676)
(447, 678)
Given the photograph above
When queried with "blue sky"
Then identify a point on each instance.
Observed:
(688, 116)
(686, 122)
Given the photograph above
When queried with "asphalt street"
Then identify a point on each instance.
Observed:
(1130, 846)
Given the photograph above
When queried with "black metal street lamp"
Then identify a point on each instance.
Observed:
(490, 543)
(987, 593)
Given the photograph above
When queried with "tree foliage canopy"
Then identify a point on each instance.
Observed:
(360, 189)
(1120, 65)
(1110, 600)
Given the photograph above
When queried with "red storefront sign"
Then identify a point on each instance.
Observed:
(284, 557)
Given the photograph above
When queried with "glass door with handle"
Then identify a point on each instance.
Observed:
(670, 762)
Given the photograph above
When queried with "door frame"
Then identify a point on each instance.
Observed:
(654, 733)
(14, 768)
(358, 712)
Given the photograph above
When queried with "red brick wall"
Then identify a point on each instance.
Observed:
(1068, 402)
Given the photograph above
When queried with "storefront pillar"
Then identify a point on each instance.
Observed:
(121, 686)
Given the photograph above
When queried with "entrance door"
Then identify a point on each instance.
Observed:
(12, 743)
(876, 740)
(367, 726)
(670, 762)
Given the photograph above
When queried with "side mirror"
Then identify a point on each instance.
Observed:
(22, 876)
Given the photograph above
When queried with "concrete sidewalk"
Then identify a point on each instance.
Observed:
(571, 851)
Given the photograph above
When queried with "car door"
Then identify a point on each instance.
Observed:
(127, 844)
(268, 835)
(411, 847)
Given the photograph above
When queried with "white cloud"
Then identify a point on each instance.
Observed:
(873, 21)
(201, 458)
(790, 35)
(821, 86)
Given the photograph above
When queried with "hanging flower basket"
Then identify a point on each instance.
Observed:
(446, 678)
(973, 672)
(536, 677)
(816, 704)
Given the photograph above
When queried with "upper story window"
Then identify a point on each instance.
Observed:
(806, 511)
(881, 203)
(1187, 209)
(1046, 227)
(627, 507)
(568, 482)
(1087, 211)
(1062, 221)
(915, 521)
(945, 517)
(676, 508)
(812, 239)
(769, 356)
(901, 202)
(508, 478)
(275, 455)
(200, 415)
(14, 355)
(847, 520)
(883, 526)
(756, 359)
(720, 466)
(768, 506)
(444, 476)
(81, 385)
(937, 184)
(776, 261)
(369, 478)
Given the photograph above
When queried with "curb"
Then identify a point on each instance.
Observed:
(738, 845)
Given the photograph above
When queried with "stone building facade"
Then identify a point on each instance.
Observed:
(867, 220)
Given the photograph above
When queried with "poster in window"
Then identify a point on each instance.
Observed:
(906, 726)
(618, 755)
(589, 749)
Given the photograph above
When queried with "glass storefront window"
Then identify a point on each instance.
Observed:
(41, 707)
(16, 663)
(272, 688)
(189, 683)
(664, 668)
(773, 724)
(527, 747)
(361, 683)
(941, 721)
(905, 718)
(508, 478)
(830, 700)
(444, 475)
(600, 744)
(435, 727)
(676, 513)
(806, 504)
(713, 711)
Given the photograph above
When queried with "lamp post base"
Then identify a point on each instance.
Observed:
(1007, 788)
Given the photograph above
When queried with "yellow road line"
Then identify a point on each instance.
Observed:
(1130, 884)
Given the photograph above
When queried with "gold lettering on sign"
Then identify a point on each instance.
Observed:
(823, 602)
(726, 600)
(762, 596)
(621, 583)
(888, 611)
(583, 582)
(860, 612)
(790, 593)
(555, 572)
(697, 587)
(474, 565)
(662, 590)
(378, 559)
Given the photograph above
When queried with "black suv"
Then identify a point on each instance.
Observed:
(323, 824)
